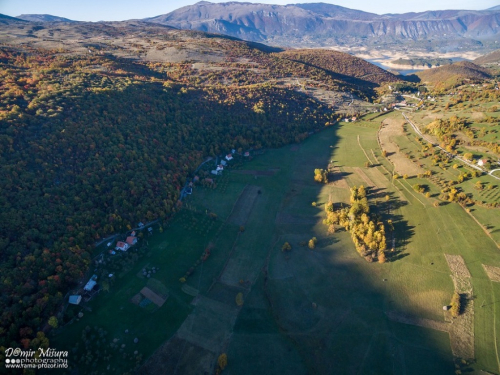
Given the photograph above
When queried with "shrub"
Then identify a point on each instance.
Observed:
(455, 305)
(222, 361)
(312, 243)
(239, 299)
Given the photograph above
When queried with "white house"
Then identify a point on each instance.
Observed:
(229, 157)
(91, 283)
(482, 162)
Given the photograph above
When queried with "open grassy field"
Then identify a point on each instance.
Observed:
(324, 310)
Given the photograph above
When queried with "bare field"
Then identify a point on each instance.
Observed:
(244, 205)
(492, 272)
(392, 128)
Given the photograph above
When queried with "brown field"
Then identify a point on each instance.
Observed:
(153, 297)
(244, 205)
(457, 266)
(492, 272)
(337, 179)
(462, 329)
(392, 128)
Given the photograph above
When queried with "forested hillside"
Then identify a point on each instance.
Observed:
(89, 146)
(344, 66)
(97, 136)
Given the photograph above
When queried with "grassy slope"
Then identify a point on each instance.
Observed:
(349, 330)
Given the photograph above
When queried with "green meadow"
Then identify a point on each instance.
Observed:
(322, 310)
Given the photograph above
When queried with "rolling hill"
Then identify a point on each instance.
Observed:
(4, 19)
(454, 74)
(43, 18)
(492, 58)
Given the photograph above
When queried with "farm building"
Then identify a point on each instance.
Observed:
(131, 240)
(482, 162)
(90, 284)
(75, 299)
(123, 246)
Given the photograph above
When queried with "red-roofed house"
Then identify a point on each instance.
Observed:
(131, 240)
(246, 154)
(123, 246)
(229, 157)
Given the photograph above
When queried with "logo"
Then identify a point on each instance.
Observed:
(35, 359)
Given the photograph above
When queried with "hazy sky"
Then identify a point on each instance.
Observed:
(116, 10)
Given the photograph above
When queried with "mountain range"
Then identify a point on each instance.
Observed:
(328, 25)
(321, 24)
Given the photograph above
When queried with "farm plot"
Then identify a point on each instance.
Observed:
(462, 329)
(314, 310)
(244, 205)
(492, 272)
(391, 129)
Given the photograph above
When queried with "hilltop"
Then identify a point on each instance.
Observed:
(492, 58)
(43, 18)
(454, 74)
(4, 19)
(151, 42)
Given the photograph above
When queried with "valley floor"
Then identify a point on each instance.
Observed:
(323, 310)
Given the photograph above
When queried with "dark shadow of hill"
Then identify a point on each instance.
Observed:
(328, 311)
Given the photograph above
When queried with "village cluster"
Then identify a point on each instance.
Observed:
(131, 238)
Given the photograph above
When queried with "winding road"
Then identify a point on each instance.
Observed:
(470, 164)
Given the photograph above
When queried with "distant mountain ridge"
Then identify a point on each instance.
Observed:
(6, 19)
(321, 24)
(43, 18)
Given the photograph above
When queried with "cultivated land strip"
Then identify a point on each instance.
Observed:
(492, 272)
(462, 329)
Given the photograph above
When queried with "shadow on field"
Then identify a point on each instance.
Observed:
(318, 309)
(330, 306)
